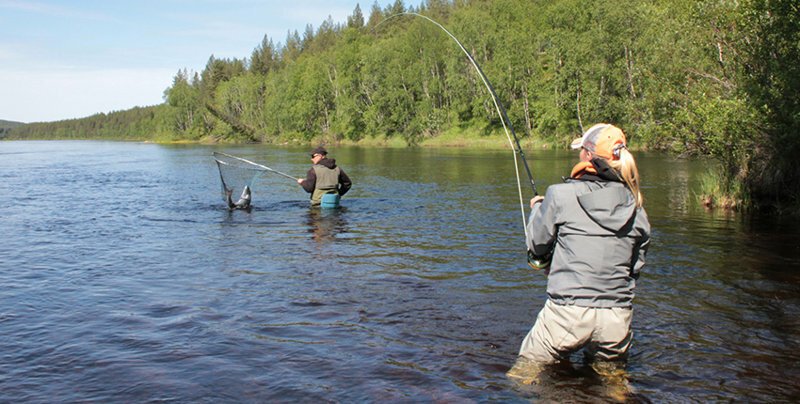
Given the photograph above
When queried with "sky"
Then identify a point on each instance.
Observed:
(62, 59)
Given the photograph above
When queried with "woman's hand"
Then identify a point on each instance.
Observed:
(536, 199)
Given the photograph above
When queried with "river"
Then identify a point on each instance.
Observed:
(125, 279)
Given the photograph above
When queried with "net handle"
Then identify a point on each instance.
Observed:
(258, 165)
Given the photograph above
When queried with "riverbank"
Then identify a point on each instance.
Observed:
(459, 139)
(470, 138)
(713, 193)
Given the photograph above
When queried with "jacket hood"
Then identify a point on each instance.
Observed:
(330, 163)
(611, 206)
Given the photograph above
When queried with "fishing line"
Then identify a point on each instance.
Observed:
(507, 126)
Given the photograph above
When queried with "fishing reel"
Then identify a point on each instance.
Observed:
(540, 263)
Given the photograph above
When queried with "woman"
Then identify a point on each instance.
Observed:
(597, 231)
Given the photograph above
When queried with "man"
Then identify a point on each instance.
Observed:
(324, 177)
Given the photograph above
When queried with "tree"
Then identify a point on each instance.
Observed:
(263, 59)
(375, 15)
(291, 50)
(771, 82)
(185, 100)
(356, 20)
(396, 8)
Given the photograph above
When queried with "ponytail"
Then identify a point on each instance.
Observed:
(625, 165)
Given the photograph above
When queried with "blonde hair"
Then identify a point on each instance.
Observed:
(626, 167)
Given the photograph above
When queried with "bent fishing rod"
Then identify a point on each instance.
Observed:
(507, 127)
(257, 165)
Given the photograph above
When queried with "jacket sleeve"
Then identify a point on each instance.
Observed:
(344, 182)
(640, 250)
(543, 224)
(311, 181)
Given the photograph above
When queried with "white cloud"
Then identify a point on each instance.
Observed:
(41, 96)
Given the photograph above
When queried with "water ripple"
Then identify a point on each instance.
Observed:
(125, 279)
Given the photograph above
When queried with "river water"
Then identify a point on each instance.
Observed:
(125, 279)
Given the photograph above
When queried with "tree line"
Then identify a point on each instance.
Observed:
(6, 126)
(696, 77)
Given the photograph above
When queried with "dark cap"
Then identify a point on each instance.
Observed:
(319, 150)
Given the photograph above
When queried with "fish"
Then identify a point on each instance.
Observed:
(244, 199)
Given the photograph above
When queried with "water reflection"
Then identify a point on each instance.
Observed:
(325, 224)
(574, 381)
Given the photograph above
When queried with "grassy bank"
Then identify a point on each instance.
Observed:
(715, 192)
(469, 138)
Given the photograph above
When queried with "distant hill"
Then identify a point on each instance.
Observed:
(6, 126)
(10, 124)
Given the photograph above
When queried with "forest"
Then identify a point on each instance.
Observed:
(710, 78)
(6, 126)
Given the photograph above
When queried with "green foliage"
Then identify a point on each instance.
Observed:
(264, 58)
(357, 19)
(139, 123)
(710, 77)
(7, 126)
(769, 45)
(717, 191)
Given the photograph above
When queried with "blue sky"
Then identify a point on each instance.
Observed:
(70, 59)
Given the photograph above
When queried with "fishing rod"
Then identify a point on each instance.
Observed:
(256, 164)
(533, 261)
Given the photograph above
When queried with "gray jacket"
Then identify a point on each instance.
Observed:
(599, 240)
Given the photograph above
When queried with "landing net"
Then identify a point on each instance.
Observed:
(235, 173)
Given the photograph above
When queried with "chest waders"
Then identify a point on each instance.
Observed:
(327, 183)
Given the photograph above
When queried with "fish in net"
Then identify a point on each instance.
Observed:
(236, 174)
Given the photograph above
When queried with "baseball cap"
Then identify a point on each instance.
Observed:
(319, 150)
(602, 139)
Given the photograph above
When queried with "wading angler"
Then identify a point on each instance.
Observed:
(597, 231)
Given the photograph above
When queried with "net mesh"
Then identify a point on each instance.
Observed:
(235, 174)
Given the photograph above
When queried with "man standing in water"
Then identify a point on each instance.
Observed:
(598, 233)
(324, 177)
